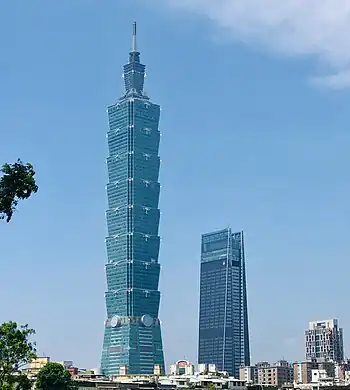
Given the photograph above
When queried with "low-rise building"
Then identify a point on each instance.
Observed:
(66, 363)
(182, 367)
(149, 382)
(328, 367)
(340, 369)
(302, 372)
(248, 374)
(36, 365)
(204, 368)
(277, 374)
(321, 377)
(112, 385)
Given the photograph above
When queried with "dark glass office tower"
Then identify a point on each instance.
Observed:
(132, 336)
(223, 313)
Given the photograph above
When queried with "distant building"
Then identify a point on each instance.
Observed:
(73, 371)
(172, 382)
(277, 374)
(321, 377)
(157, 370)
(262, 364)
(69, 366)
(302, 371)
(90, 374)
(249, 374)
(124, 370)
(328, 367)
(324, 341)
(36, 365)
(114, 385)
(182, 367)
(223, 313)
(66, 364)
(340, 369)
(205, 368)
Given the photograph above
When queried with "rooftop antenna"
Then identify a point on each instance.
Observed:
(134, 37)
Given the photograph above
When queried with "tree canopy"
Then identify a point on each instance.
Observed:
(17, 182)
(18, 382)
(53, 376)
(16, 350)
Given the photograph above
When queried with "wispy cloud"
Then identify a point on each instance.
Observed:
(319, 28)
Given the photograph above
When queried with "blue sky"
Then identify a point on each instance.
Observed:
(249, 139)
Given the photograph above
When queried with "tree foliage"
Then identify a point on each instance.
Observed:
(16, 350)
(22, 382)
(18, 382)
(53, 376)
(7, 386)
(17, 182)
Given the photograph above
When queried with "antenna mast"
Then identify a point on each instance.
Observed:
(134, 48)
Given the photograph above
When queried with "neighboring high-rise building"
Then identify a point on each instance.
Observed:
(324, 341)
(132, 336)
(223, 312)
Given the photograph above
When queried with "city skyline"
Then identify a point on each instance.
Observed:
(247, 140)
(132, 337)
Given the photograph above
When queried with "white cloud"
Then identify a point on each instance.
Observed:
(319, 28)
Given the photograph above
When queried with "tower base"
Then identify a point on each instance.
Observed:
(131, 347)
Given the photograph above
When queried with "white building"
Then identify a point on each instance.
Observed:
(203, 381)
(204, 368)
(248, 374)
(324, 341)
(182, 367)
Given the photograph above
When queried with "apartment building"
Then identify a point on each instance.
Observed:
(302, 371)
(277, 374)
(324, 341)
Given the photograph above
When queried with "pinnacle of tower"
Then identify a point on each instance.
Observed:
(134, 37)
(134, 55)
(134, 71)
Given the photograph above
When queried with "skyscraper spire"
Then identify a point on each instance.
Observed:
(134, 47)
(134, 71)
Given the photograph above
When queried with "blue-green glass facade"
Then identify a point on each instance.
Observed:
(132, 335)
(223, 312)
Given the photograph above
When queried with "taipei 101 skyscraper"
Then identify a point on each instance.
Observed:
(132, 336)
